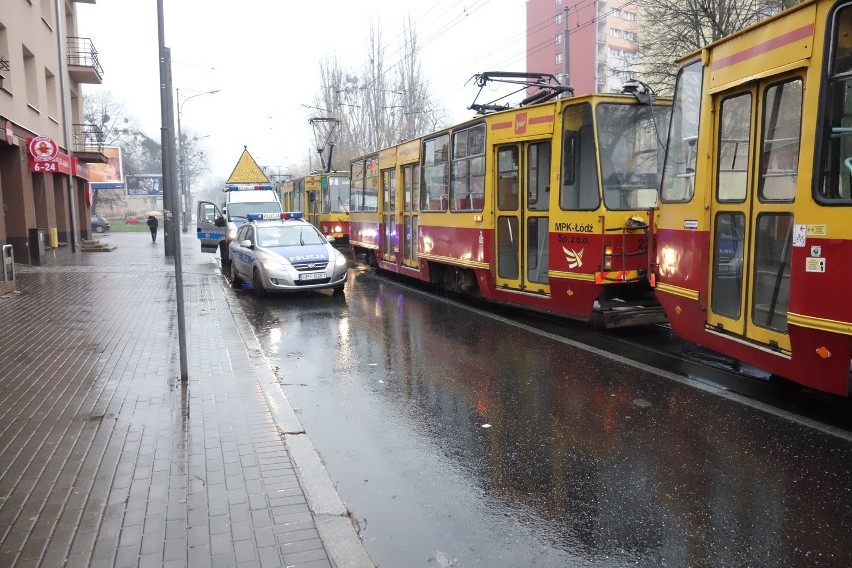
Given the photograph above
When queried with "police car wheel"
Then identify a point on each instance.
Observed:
(257, 284)
(236, 281)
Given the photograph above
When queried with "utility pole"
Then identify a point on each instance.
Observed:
(567, 50)
(167, 140)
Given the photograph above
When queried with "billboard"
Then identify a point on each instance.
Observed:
(109, 175)
(150, 185)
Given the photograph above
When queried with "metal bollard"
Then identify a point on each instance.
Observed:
(8, 263)
(7, 284)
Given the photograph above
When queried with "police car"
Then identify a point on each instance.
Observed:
(280, 252)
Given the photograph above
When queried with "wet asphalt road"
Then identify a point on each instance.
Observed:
(457, 439)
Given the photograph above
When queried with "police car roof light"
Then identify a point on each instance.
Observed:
(274, 216)
(247, 187)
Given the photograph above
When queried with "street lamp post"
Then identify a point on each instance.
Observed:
(185, 202)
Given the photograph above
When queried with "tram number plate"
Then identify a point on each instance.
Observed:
(312, 276)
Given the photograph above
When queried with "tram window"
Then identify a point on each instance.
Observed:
(507, 179)
(579, 191)
(507, 248)
(371, 186)
(537, 249)
(773, 245)
(338, 199)
(406, 188)
(389, 189)
(835, 182)
(467, 176)
(782, 125)
(414, 174)
(842, 48)
(733, 147)
(631, 153)
(678, 183)
(728, 241)
(435, 174)
(538, 177)
(356, 194)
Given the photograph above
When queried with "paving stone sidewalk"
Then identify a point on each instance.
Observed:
(107, 458)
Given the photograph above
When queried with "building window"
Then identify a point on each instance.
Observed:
(630, 36)
(616, 12)
(5, 65)
(558, 38)
(558, 58)
(615, 32)
(52, 94)
(30, 77)
(558, 2)
(559, 18)
(630, 16)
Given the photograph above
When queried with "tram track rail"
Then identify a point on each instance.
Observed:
(655, 346)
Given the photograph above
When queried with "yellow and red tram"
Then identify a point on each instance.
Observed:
(754, 238)
(324, 199)
(545, 206)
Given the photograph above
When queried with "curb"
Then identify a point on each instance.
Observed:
(331, 518)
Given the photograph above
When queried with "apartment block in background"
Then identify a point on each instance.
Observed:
(588, 44)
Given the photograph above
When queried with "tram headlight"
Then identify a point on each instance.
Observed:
(667, 261)
(607, 264)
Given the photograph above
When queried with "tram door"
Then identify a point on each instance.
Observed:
(757, 153)
(314, 204)
(410, 217)
(522, 194)
(389, 240)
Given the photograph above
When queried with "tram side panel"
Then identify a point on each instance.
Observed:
(753, 228)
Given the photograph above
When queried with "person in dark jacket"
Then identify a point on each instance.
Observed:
(152, 225)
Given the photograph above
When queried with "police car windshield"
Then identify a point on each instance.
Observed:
(243, 209)
(289, 236)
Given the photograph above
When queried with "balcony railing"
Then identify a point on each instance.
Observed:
(83, 62)
(87, 138)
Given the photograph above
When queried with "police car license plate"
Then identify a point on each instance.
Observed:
(312, 276)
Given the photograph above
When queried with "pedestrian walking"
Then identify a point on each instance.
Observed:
(152, 224)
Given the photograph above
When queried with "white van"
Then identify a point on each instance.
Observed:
(218, 223)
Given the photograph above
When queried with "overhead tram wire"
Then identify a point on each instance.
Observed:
(549, 43)
(446, 27)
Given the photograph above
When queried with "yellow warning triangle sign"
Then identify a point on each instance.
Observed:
(247, 170)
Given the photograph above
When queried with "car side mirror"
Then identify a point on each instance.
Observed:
(219, 222)
(247, 244)
(330, 239)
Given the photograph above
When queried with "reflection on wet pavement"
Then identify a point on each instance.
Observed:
(460, 440)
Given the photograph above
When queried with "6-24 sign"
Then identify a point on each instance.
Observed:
(44, 166)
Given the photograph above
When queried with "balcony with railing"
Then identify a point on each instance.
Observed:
(87, 143)
(83, 63)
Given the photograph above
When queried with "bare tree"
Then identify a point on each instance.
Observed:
(140, 154)
(193, 157)
(674, 28)
(378, 104)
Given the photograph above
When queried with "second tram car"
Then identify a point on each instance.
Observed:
(324, 198)
(754, 238)
(545, 206)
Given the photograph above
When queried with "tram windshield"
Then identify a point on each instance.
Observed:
(336, 195)
(678, 182)
(631, 146)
